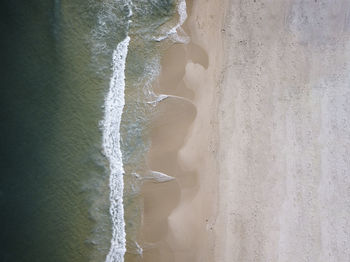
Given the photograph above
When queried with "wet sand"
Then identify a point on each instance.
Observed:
(178, 215)
(259, 146)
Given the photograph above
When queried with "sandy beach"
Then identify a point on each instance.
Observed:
(257, 137)
(284, 133)
(179, 215)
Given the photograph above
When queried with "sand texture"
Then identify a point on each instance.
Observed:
(259, 146)
(284, 131)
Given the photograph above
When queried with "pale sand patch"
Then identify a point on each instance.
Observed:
(284, 133)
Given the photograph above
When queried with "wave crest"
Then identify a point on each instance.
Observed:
(114, 105)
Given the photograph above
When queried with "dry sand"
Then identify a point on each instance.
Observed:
(260, 146)
(285, 133)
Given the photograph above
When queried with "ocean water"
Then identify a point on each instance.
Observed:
(77, 99)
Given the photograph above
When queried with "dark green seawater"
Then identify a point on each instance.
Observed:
(50, 140)
(55, 70)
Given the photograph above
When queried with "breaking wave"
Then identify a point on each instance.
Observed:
(114, 105)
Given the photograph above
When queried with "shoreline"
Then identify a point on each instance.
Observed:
(259, 154)
(179, 215)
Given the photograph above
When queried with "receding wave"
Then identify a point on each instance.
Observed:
(114, 105)
(176, 33)
(158, 177)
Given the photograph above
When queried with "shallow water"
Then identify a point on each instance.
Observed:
(57, 63)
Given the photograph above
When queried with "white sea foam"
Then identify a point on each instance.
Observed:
(135, 248)
(159, 177)
(130, 5)
(158, 99)
(162, 97)
(156, 176)
(114, 105)
(173, 33)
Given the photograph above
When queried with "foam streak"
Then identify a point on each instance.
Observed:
(173, 32)
(114, 105)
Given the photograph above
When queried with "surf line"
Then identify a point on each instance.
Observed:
(172, 33)
(114, 104)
